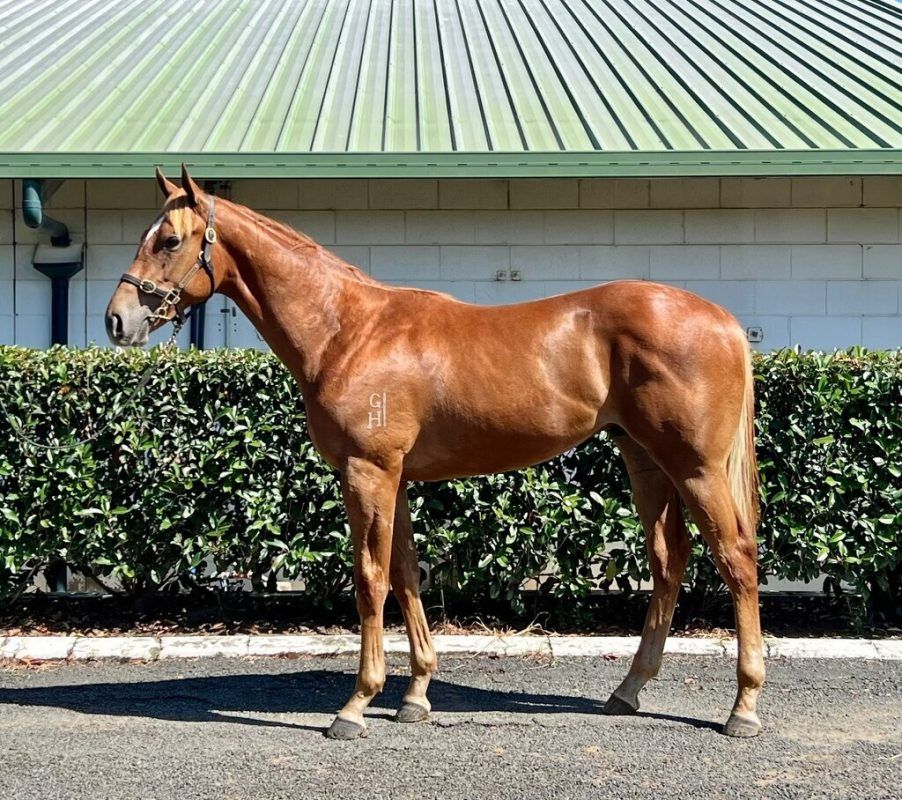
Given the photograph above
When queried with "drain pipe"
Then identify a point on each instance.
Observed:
(34, 194)
(60, 261)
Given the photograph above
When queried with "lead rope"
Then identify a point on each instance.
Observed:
(139, 387)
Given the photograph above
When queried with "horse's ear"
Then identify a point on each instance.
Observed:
(167, 187)
(193, 191)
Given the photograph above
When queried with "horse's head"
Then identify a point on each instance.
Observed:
(173, 268)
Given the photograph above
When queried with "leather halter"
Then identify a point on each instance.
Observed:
(170, 298)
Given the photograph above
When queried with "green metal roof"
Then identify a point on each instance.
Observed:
(319, 88)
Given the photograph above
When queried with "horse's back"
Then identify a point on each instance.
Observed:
(649, 315)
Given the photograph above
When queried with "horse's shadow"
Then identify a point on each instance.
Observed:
(223, 698)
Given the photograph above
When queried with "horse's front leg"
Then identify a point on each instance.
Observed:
(369, 493)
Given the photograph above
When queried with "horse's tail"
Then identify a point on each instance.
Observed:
(742, 466)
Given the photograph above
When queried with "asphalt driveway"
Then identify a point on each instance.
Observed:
(501, 728)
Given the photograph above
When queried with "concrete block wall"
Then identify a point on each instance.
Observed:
(812, 261)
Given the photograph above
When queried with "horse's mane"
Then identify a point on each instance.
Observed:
(296, 241)
(181, 212)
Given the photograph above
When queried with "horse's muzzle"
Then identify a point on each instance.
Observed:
(128, 330)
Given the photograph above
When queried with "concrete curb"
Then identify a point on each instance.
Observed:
(153, 648)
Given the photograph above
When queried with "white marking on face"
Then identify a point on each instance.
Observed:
(153, 229)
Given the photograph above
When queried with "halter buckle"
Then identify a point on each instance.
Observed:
(173, 296)
(148, 286)
(210, 235)
(170, 300)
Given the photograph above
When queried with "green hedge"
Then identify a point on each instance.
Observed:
(213, 461)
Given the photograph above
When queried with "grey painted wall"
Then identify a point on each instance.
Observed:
(812, 261)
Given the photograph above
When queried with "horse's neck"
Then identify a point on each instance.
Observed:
(291, 291)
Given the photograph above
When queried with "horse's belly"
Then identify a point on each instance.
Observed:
(455, 448)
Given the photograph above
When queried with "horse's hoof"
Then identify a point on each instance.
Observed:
(617, 706)
(346, 729)
(742, 726)
(412, 712)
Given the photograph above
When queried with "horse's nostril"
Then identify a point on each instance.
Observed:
(114, 326)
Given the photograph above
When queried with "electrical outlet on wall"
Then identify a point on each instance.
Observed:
(755, 334)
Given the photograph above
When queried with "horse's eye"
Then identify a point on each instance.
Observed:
(172, 243)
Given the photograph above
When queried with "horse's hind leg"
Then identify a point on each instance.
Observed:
(667, 543)
(405, 582)
(709, 501)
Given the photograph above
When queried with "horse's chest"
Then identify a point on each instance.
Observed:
(324, 432)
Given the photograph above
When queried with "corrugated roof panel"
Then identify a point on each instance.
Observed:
(298, 127)
(399, 91)
(279, 93)
(745, 76)
(146, 105)
(587, 98)
(678, 105)
(806, 94)
(267, 47)
(660, 125)
(865, 20)
(610, 66)
(368, 101)
(875, 66)
(435, 132)
(33, 48)
(549, 119)
(724, 95)
(378, 83)
(216, 91)
(535, 123)
(500, 115)
(344, 88)
(469, 126)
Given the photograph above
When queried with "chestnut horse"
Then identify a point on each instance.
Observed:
(409, 385)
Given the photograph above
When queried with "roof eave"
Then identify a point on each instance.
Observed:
(630, 164)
